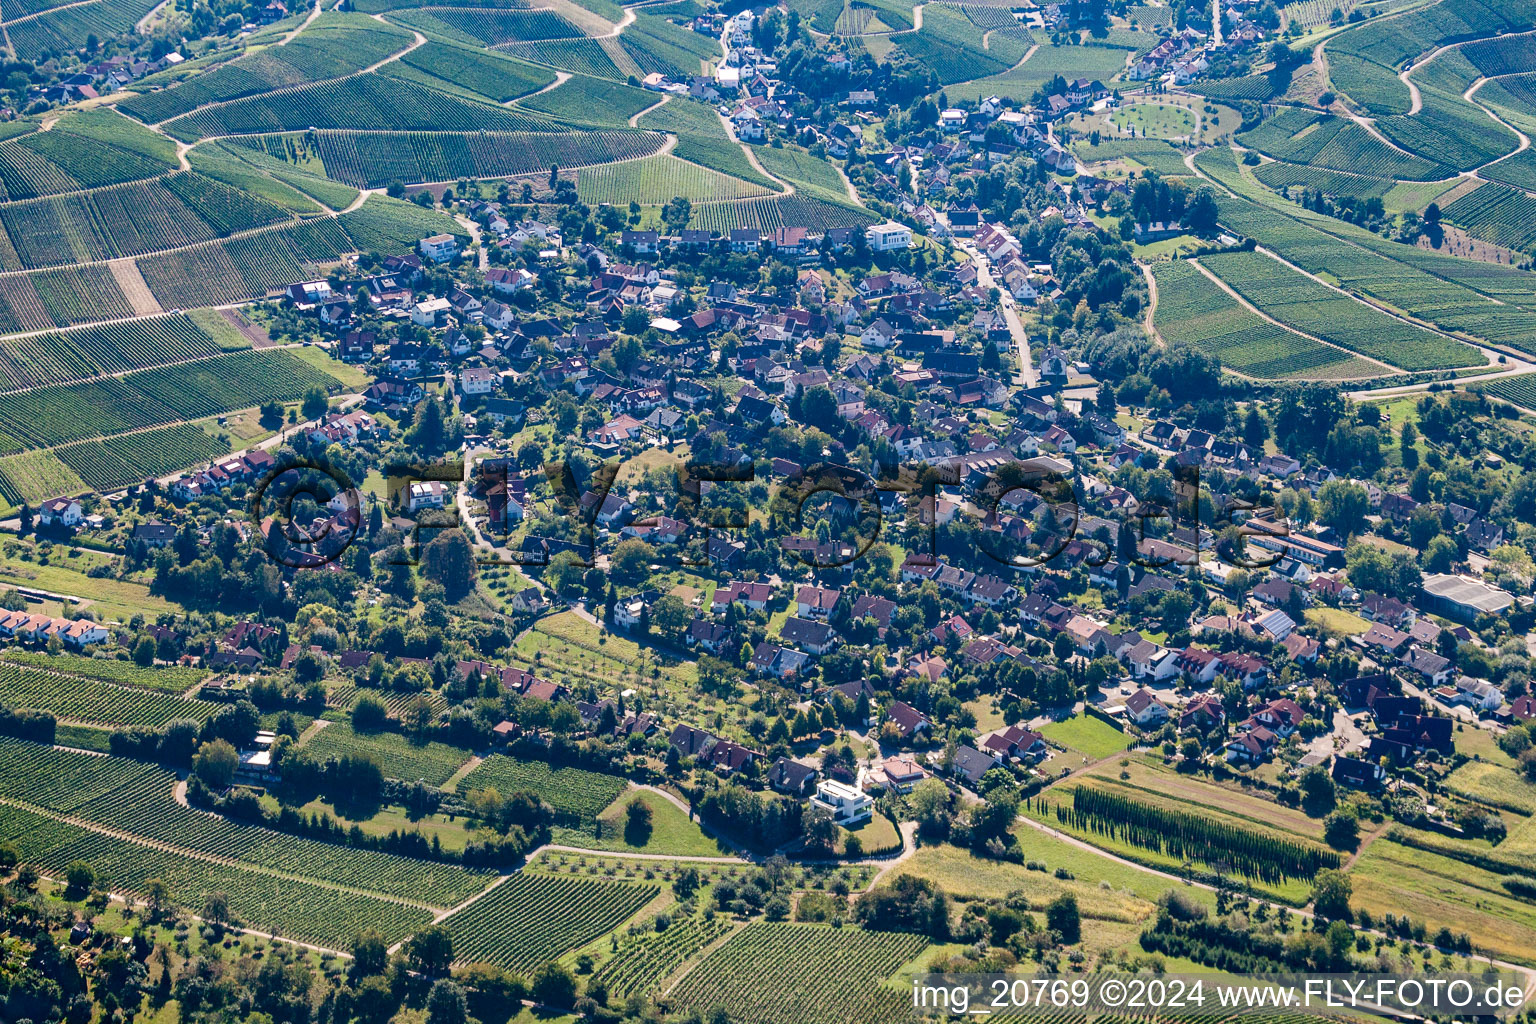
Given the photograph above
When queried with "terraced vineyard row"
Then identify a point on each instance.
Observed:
(125, 673)
(1300, 302)
(1485, 300)
(458, 67)
(106, 348)
(1281, 175)
(654, 181)
(772, 212)
(571, 790)
(1337, 143)
(374, 160)
(530, 919)
(1502, 215)
(140, 803)
(85, 149)
(1155, 154)
(1519, 389)
(70, 28)
(243, 268)
(51, 416)
(1191, 309)
(333, 46)
(134, 458)
(701, 139)
(803, 973)
(640, 965)
(62, 297)
(292, 908)
(127, 220)
(432, 763)
(490, 27)
(371, 101)
(88, 700)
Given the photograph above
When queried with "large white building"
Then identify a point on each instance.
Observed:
(847, 804)
(888, 237)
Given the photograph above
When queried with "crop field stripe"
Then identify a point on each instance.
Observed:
(272, 903)
(94, 701)
(66, 356)
(534, 918)
(139, 805)
(572, 790)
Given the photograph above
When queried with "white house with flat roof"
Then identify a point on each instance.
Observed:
(848, 804)
(889, 237)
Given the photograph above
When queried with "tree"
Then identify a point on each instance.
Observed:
(431, 951)
(631, 560)
(1317, 789)
(446, 1003)
(216, 909)
(1441, 554)
(370, 953)
(1432, 213)
(1331, 891)
(315, 404)
(216, 763)
(79, 877)
(637, 822)
(1341, 830)
(554, 985)
(1342, 506)
(820, 832)
(369, 713)
(144, 652)
(1063, 918)
(670, 616)
(450, 561)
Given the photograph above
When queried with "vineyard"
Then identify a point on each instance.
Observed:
(136, 799)
(1453, 294)
(568, 790)
(124, 673)
(1300, 302)
(1502, 56)
(432, 763)
(59, 414)
(1191, 309)
(85, 149)
(335, 45)
(107, 348)
(1376, 88)
(292, 907)
(489, 26)
(1519, 389)
(811, 175)
(579, 56)
(371, 160)
(640, 965)
(530, 919)
(702, 139)
(1243, 850)
(773, 212)
(70, 28)
(1154, 154)
(1337, 143)
(655, 180)
(134, 458)
(34, 477)
(1280, 175)
(88, 700)
(1020, 83)
(248, 267)
(1504, 216)
(61, 297)
(1518, 170)
(1453, 131)
(491, 75)
(1392, 42)
(127, 220)
(362, 102)
(583, 100)
(952, 46)
(800, 973)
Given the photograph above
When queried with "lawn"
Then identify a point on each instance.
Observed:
(877, 835)
(112, 599)
(1480, 744)
(1156, 120)
(355, 378)
(1337, 621)
(672, 833)
(1150, 779)
(1493, 785)
(1129, 895)
(1445, 892)
(1092, 737)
